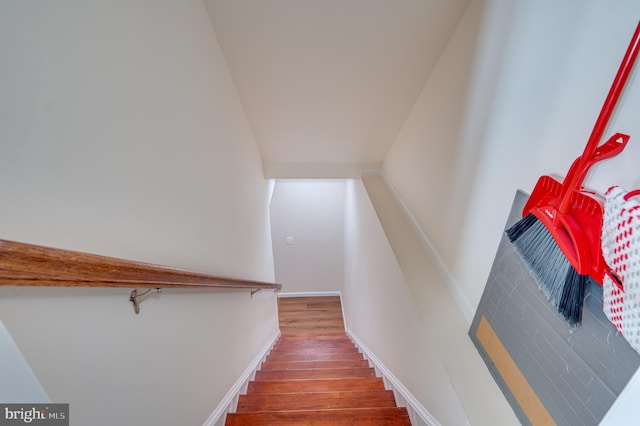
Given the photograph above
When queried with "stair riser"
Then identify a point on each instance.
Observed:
(319, 385)
(321, 357)
(313, 351)
(316, 401)
(304, 365)
(313, 337)
(326, 373)
(379, 416)
(313, 345)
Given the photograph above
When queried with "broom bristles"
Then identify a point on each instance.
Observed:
(520, 226)
(573, 297)
(558, 280)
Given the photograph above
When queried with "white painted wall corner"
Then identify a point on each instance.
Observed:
(452, 285)
(230, 401)
(19, 383)
(417, 412)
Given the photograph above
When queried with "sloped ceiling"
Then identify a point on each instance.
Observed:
(327, 84)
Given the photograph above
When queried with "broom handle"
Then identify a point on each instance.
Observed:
(577, 173)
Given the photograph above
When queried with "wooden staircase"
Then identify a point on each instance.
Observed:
(316, 379)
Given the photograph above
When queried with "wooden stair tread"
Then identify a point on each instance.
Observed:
(315, 385)
(341, 417)
(316, 373)
(307, 365)
(316, 401)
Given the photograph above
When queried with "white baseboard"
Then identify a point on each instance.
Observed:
(310, 294)
(454, 288)
(417, 413)
(230, 400)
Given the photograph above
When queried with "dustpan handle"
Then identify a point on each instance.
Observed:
(575, 180)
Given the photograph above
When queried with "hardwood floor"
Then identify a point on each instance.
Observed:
(310, 315)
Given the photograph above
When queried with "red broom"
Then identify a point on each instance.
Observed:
(559, 235)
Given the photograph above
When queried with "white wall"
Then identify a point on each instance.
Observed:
(514, 96)
(432, 320)
(121, 134)
(380, 310)
(624, 411)
(171, 364)
(19, 383)
(434, 159)
(312, 212)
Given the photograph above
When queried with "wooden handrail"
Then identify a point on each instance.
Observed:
(31, 265)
